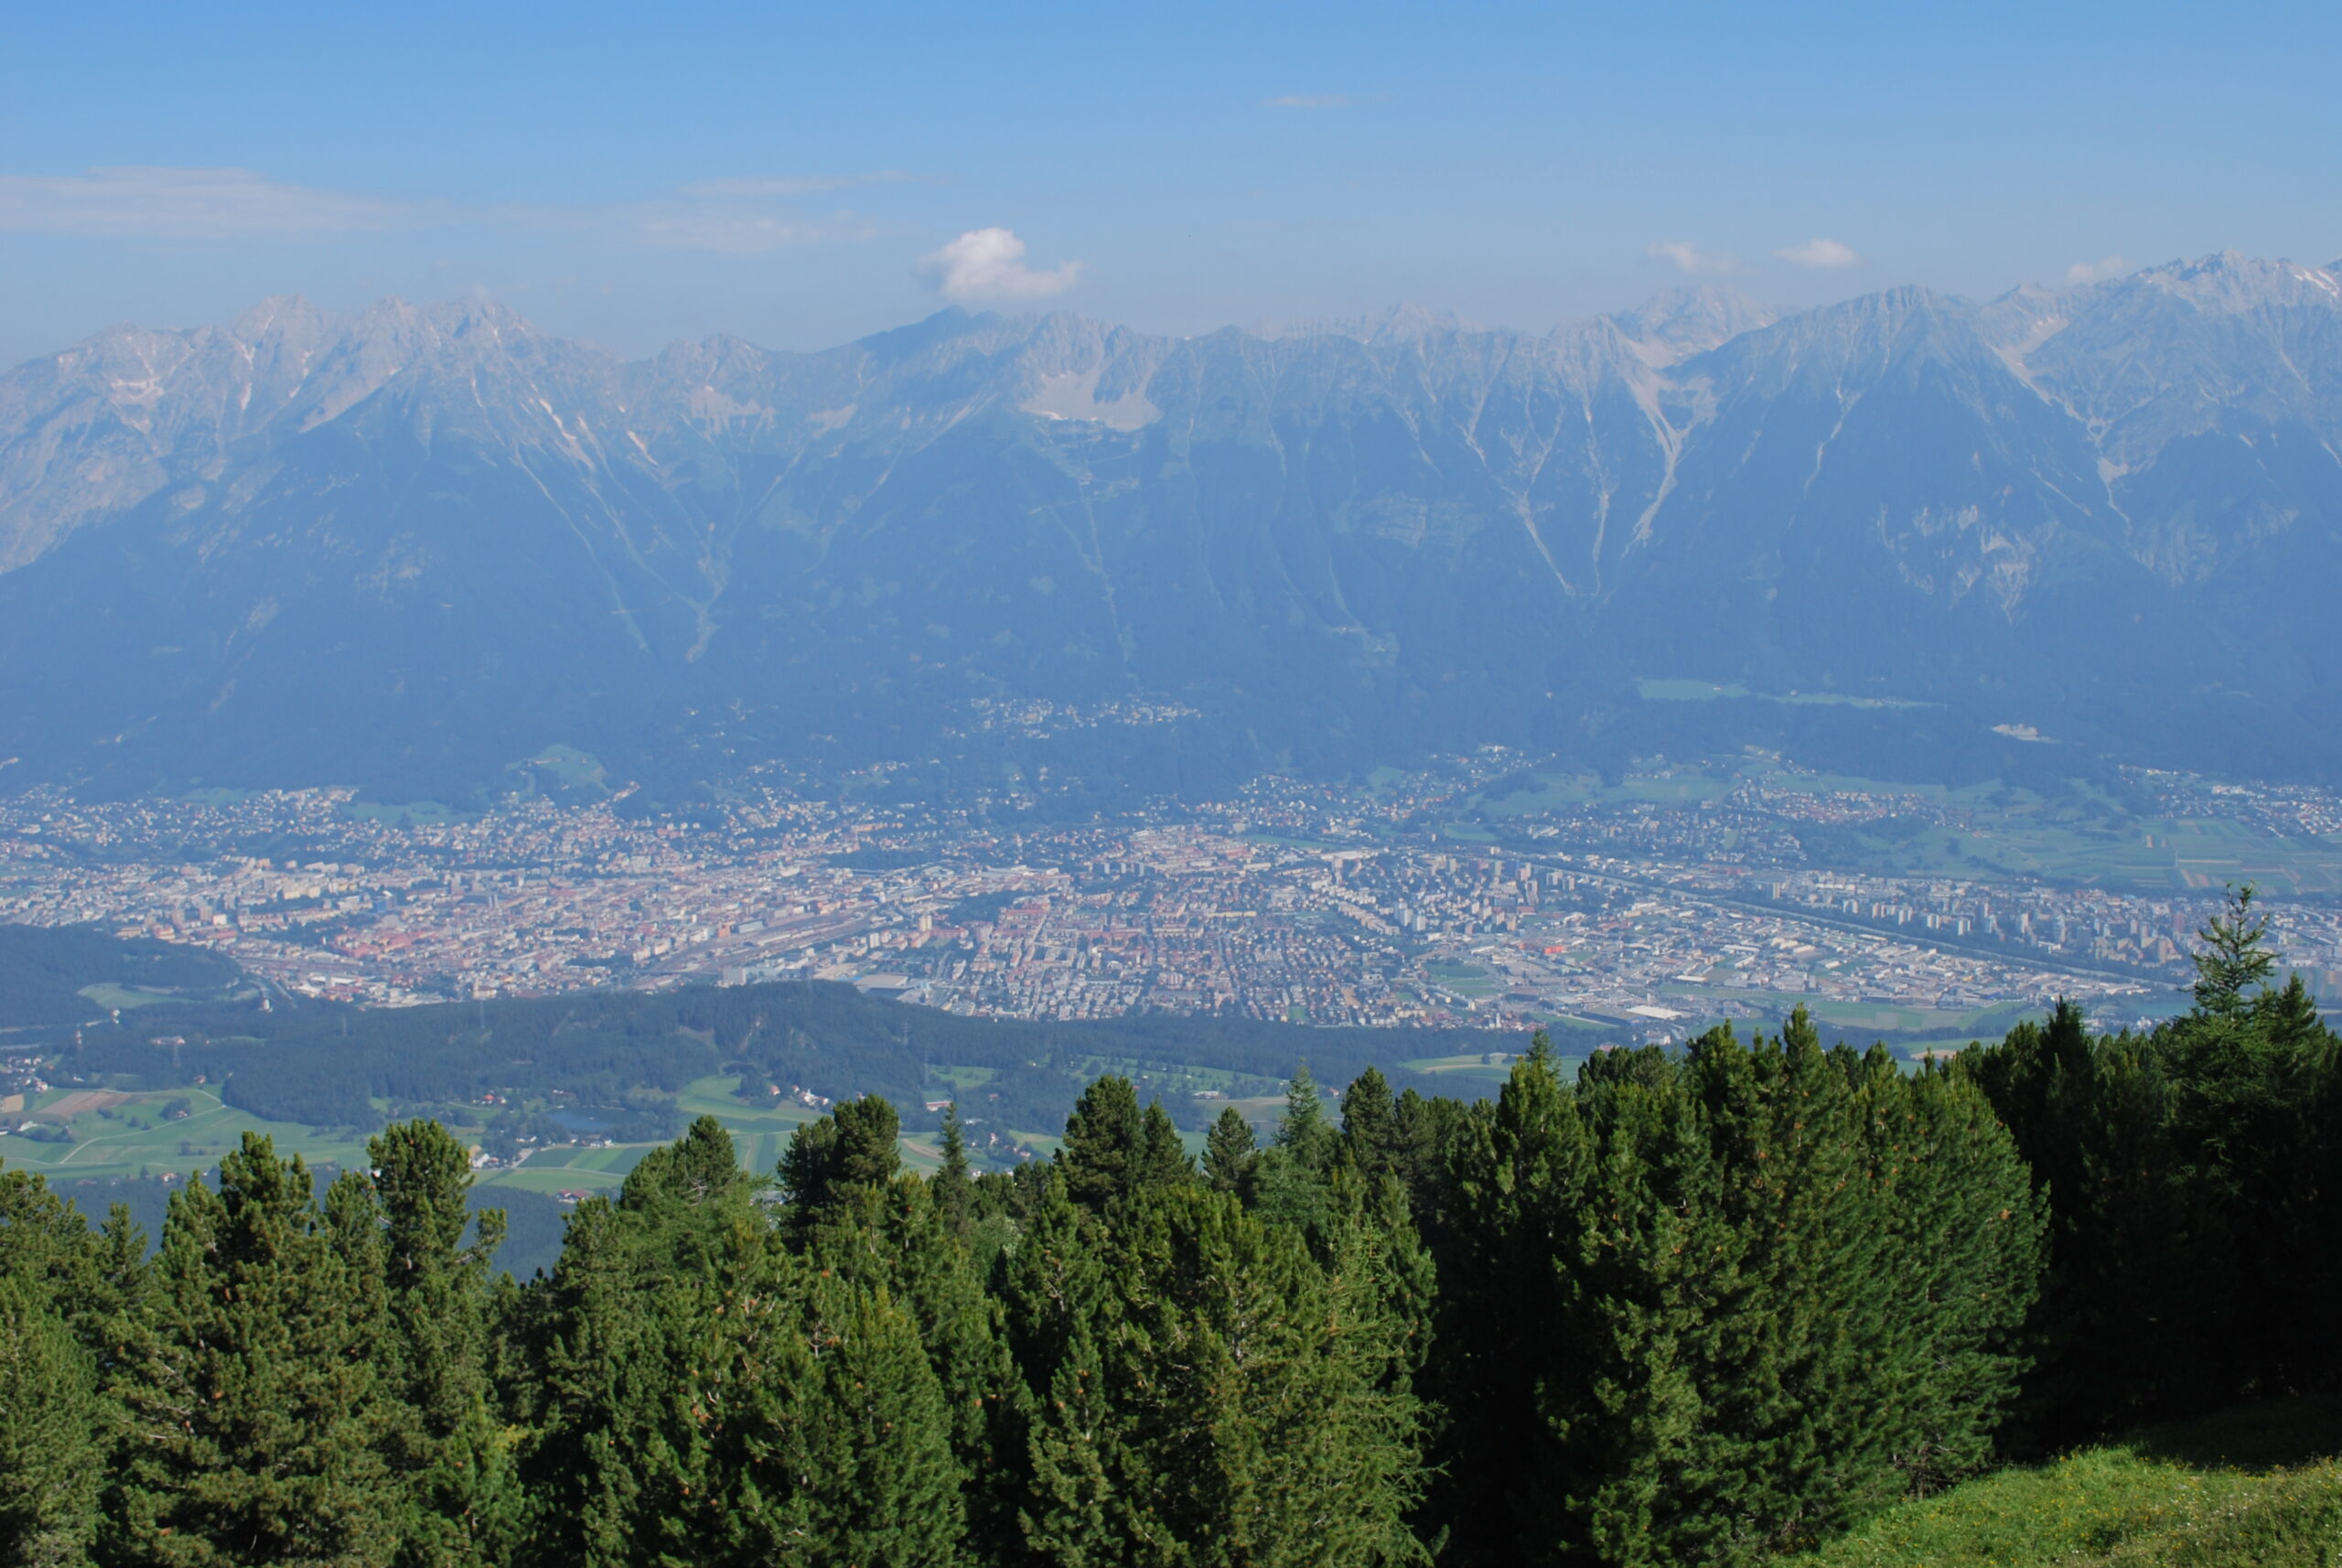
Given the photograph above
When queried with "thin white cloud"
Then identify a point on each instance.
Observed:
(737, 216)
(1310, 100)
(687, 227)
(150, 202)
(989, 264)
(1820, 253)
(2091, 272)
(1690, 258)
(797, 184)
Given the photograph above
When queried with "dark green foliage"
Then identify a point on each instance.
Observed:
(625, 1053)
(444, 1444)
(898, 1241)
(1288, 1181)
(954, 1188)
(856, 1147)
(1369, 1141)
(1228, 1150)
(1162, 1158)
(1112, 1151)
(2192, 1174)
(50, 1448)
(1695, 1306)
(44, 969)
(1207, 1392)
(2232, 959)
(1099, 1155)
(1706, 1309)
(251, 1399)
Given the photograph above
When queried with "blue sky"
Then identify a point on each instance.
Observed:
(803, 174)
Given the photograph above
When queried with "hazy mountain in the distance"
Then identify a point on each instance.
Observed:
(407, 547)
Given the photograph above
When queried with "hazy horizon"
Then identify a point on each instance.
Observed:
(803, 181)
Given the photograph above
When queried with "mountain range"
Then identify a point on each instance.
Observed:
(415, 547)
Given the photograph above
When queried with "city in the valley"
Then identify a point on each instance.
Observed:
(1489, 889)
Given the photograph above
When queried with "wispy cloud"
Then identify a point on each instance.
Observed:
(741, 215)
(1312, 101)
(1820, 253)
(152, 202)
(799, 185)
(684, 226)
(989, 264)
(1690, 258)
(2091, 272)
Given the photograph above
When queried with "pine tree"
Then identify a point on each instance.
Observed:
(624, 1332)
(1228, 1150)
(898, 1241)
(2233, 956)
(1369, 1139)
(874, 1462)
(46, 1246)
(1303, 1131)
(1424, 1131)
(1162, 1159)
(1104, 1139)
(1521, 1168)
(2192, 1175)
(1058, 1304)
(463, 1503)
(251, 1411)
(954, 1191)
(856, 1148)
(1972, 1239)
(1289, 1184)
(51, 1455)
(1073, 1519)
(1258, 1408)
(1795, 1427)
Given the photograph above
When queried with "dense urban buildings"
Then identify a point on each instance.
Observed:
(1483, 890)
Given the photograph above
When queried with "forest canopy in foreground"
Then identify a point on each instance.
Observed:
(1709, 1305)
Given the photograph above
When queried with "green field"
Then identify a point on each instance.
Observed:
(2258, 1486)
(116, 1135)
(2082, 837)
(1476, 1066)
(1463, 978)
(1658, 691)
(1978, 1023)
(126, 997)
(130, 1134)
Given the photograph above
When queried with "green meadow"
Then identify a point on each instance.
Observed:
(2259, 1485)
(111, 1134)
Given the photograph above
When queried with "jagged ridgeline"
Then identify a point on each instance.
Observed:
(1710, 1306)
(410, 548)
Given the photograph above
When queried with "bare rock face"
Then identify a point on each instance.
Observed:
(427, 541)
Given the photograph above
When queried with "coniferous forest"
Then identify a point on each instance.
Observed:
(1698, 1305)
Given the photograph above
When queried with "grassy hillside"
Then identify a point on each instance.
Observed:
(2260, 1485)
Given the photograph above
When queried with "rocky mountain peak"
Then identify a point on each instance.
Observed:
(1682, 322)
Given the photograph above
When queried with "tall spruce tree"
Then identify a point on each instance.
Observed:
(1520, 1170)
(1289, 1181)
(1706, 1310)
(954, 1188)
(252, 1409)
(1228, 1150)
(444, 1445)
(52, 1449)
(2192, 1174)
(1207, 1392)
(897, 1242)
(1369, 1137)
(1101, 1152)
